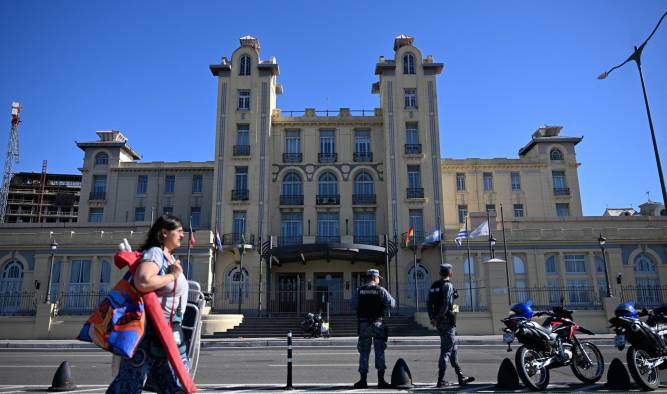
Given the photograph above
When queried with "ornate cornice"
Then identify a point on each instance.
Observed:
(310, 169)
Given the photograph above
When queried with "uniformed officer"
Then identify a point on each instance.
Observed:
(371, 302)
(443, 316)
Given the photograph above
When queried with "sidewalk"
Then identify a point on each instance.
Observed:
(220, 343)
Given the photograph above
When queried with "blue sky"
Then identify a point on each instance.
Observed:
(510, 66)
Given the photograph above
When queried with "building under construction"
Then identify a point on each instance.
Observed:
(57, 201)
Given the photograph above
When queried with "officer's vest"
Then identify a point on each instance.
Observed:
(437, 297)
(369, 302)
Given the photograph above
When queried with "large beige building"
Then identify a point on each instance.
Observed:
(305, 202)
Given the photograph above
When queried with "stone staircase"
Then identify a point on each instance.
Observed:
(341, 326)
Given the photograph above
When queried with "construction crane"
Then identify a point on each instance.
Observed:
(11, 159)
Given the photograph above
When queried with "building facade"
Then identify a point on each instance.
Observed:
(43, 198)
(305, 202)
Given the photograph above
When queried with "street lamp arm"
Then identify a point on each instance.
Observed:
(654, 30)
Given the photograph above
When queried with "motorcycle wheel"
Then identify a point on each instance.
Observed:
(582, 369)
(537, 379)
(646, 377)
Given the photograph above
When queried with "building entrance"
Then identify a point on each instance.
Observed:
(329, 294)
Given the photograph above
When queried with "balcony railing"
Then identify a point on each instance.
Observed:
(238, 239)
(327, 199)
(328, 239)
(413, 149)
(417, 239)
(97, 196)
(290, 240)
(291, 199)
(366, 239)
(292, 157)
(363, 157)
(241, 150)
(327, 157)
(415, 192)
(240, 195)
(363, 199)
(561, 191)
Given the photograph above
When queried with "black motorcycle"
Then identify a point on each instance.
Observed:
(552, 345)
(648, 342)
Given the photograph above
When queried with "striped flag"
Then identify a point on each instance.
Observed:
(410, 234)
(218, 242)
(460, 236)
(191, 236)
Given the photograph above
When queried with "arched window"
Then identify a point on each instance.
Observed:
(327, 184)
(292, 185)
(236, 278)
(363, 184)
(409, 64)
(550, 265)
(556, 154)
(647, 282)
(101, 159)
(423, 284)
(519, 265)
(12, 277)
(644, 265)
(244, 68)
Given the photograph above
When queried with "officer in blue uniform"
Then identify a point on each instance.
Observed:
(443, 316)
(372, 300)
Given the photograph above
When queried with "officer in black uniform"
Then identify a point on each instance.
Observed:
(443, 316)
(371, 302)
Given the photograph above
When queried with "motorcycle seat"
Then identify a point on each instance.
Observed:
(661, 310)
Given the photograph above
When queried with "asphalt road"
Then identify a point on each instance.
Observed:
(321, 369)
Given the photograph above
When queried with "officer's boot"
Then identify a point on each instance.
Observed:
(463, 380)
(382, 384)
(441, 379)
(361, 384)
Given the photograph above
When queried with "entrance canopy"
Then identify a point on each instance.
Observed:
(302, 253)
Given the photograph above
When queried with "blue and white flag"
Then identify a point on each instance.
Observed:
(460, 236)
(433, 238)
(218, 243)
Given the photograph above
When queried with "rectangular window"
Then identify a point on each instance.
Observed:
(243, 134)
(463, 213)
(239, 225)
(575, 263)
(79, 273)
(516, 181)
(599, 264)
(518, 210)
(95, 215)
(197, 181)
(417, 222)
(139, 214)
(244, 100)
(550, 265)
(488, 181)
(168, 210)
(241, 179)
(327, 224)
(142, 184)
(292, 141)
(558, 179)
(364, 224)
(169, 183)
(414, 177)
(99, 184)
(411, 133)
(327, 141)
(291, 224)
(491, 208)
(410, 98)
(460, 182)
(562, 210)
(195, 214)
(362, 141)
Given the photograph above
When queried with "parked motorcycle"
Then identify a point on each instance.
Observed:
(648, 351)
(550, 345)
(313, 326)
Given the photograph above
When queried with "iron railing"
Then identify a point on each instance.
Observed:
(327, 157)
(327, 199)
(238, 239)
(546, 297)
(292, 157)
(415, 192)
(18, 303)
(413, 149)
(363, 199)
(363, 157)
(645, 296)
(561, 191)
(97, 196)
(240, 195)
(241, 150)
(417, 239)
(291, 199)
(79, 302)
(328, 112)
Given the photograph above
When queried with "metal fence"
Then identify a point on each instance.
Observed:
(79, 303)
(573, 297)
(471, 296)
(644, 296)
(18, 303)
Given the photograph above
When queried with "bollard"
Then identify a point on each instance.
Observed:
(289, 361)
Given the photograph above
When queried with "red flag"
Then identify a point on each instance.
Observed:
(408, 235)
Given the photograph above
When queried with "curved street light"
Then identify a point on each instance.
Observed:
(636, 57)
(53, 247)
(602, 241)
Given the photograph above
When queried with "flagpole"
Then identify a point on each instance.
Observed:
(259, 285)
(472, 305)
(215, 260)
(507, 273)
(398, 293)
(414, 265)
(442, 257)
(189, 243)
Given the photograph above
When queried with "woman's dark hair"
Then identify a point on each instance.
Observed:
(164, 222)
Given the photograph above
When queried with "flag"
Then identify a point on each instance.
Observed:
(434, 237)
(409, 234)
(191, 236)
(217, 241)
(460, 236)
(481, 230)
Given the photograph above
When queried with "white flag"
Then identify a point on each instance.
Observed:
(481, 230)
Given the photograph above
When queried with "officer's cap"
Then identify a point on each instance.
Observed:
(446, 269)
(373, 273)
